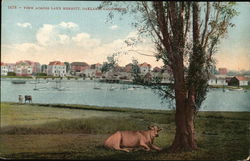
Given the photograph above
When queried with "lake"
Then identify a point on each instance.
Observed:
(89, 92)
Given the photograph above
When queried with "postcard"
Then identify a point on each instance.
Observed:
(140, 80)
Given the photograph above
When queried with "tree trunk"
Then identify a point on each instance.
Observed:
(184, 120)
(184, 116)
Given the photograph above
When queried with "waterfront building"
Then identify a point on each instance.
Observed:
(145, 68)
(78, 66)
(57, 68)
(213, 80)
(238, 81)
(4, 69)
(27, 68)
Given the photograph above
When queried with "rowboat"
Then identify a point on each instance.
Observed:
(18, 81)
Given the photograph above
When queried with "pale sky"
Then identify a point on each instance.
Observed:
(84, 35)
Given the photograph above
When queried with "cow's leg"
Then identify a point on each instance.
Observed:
(122, 149)
(155, 147)
(147, 148)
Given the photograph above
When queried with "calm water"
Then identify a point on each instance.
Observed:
(116, 95)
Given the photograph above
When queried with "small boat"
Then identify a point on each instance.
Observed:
(112, 88)
(236, 89)
(61, 89)
(18, 81)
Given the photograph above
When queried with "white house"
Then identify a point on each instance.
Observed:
(4, 69)
(213, 80)
(145, 68)
(24, 68)
(89, 72)
(11, 67)
(56, 68)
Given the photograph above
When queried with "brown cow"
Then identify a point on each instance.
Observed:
(129, 140)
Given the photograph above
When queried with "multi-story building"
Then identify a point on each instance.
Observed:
(57, 68)
(129, 68)
(27, 68)
(4, 69)
(145, 68)
(78, 66)
(11, 67)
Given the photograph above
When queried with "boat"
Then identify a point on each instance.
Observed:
(236, 89)
(97, 87)
(112, 88)
(18, 81)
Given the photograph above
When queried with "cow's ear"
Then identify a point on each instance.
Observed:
(150, 127)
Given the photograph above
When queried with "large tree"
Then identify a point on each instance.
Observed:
(185, 35)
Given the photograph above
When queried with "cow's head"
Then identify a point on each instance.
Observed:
(154, 130)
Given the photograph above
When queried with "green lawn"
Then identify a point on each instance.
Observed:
(77, 132)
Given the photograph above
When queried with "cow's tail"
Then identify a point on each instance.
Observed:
(113, 141)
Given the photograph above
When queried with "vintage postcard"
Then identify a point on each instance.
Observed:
(140, 80)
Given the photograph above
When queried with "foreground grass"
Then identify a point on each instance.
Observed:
(78, 132)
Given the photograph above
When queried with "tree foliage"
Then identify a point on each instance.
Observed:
(109, 64)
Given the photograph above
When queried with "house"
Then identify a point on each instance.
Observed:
(213, 80)
(147, 78)
(93, 71)
(167, 77)
(145, 68)
(157, 74)
(98, 74)
(27, 68)
(89, 72)
(57, 68)
(96, 66)
(157, 70)
(4, 69)
(128, 68)
(238, 81)
(11, 67)
(78, 66)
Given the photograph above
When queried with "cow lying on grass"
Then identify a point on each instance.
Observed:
(130, 140)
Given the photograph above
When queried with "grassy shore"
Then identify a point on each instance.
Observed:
(43, 131)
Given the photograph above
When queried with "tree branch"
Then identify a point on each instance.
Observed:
(150, 21)
(213, 28)
(206, 23)
(187, 20)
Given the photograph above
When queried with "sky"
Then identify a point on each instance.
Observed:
(48, 33)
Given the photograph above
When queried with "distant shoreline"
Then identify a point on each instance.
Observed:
(81, 78)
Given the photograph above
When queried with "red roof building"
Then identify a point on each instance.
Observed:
(27, 68)
(57, 68)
